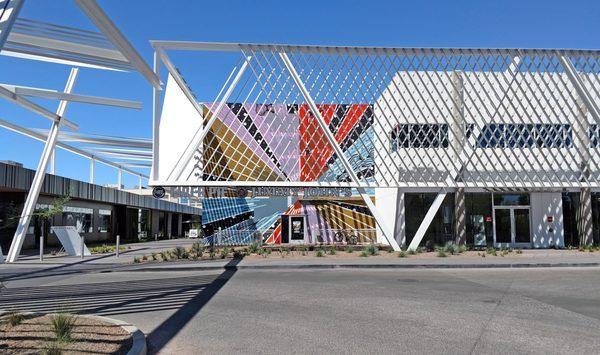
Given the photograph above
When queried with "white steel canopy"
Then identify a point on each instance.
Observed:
(383, 117)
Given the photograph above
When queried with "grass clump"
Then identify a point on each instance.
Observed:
(52, 348)
(441, 253)
(62, 326)
(402, 254)
(332, 251)
(371, 249)
(411, 252)
(364, 254)
(224, 253)
(254, 247)
(319, 253)
(350, 250)
(164, 256)
(13, 318)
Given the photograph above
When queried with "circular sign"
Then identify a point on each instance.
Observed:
(242, 192)
(158, 192)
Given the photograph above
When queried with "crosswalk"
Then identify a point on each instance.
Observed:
(108, 298)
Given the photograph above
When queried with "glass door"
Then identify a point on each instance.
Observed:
(511, 227)
(502, 227)
(522, 235)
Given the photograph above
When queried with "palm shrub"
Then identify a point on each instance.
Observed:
(62, 326)
(180, 253)
(197, 249)
(254, 247)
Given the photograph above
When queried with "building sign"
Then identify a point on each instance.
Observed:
(243, 192)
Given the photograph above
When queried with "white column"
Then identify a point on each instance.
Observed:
(52, 169)
(119, 179)
(92, 170)
(38, 179)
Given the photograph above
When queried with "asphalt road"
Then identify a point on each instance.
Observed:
(547, 311)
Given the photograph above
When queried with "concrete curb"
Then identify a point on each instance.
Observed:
(355, 266)
(138, 346)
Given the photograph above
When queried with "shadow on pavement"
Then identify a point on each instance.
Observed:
(186, 295)
(159, 337)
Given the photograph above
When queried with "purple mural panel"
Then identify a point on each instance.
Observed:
(230, 120)
(280, 129)
(317, 228)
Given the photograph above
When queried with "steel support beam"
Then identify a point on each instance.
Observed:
(38, 179)
(9, 11)
(202, 132)
(56, 95)
(119, 179)
(43, 137)
(106, 26)
(388, 233)
(435, 206)
(33, 107)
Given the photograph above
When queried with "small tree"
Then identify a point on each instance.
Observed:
(44, 214)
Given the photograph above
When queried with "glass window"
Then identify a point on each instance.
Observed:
(104, 221)
(511, 199)
(525, 136)
(427, 135)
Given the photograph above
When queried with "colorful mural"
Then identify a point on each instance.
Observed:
(277, 142)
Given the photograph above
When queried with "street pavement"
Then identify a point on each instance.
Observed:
(533, 310)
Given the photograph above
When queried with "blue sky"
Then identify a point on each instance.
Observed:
(540, 24)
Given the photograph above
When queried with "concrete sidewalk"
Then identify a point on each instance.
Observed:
(471, 259)
(529, 258)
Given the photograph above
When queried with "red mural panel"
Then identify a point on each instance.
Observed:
(315, 150)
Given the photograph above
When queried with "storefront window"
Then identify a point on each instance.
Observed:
(104, 221)
(80, 218)
(441, 229)
(596, 217)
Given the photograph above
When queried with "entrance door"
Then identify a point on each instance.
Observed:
(297, 229)
(511, 227)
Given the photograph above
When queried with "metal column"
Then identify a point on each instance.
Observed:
(38, 179)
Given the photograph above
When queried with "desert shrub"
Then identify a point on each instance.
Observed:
(224, 253)
(153, 256)
(441, 253)
(402, 254)
(319, 253)
(211, 255)
(371, 249)
(331, 251)
(136, 260)
(411, 252)
(62, 326)
(519, 251)
(164, 255)
(254, 247)
(462, 249)
(364, 254)
(429, 245)
(451, 248)
(349, 249)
